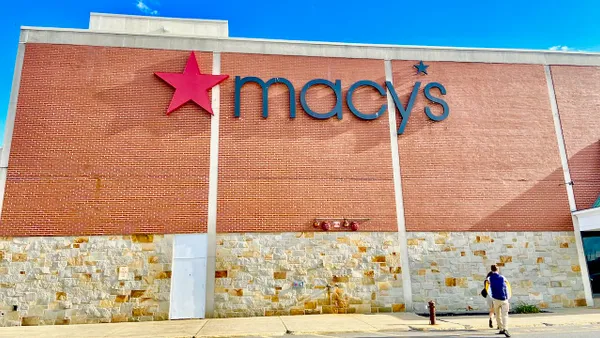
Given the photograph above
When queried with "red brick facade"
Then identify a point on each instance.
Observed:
(94, 153)
(279, 174)
(493, 164)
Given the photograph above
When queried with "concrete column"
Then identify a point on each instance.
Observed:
(406, 282)
(213, 181)
(570, 194)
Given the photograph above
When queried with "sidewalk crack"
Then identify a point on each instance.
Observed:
(200, 329)
(287, 331)
(374, 328)
(466, 327)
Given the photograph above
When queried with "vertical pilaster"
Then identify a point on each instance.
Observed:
(213, 181)
(406, 282)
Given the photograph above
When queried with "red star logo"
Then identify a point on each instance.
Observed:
(191, 85)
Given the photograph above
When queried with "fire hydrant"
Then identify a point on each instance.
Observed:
(431, 312)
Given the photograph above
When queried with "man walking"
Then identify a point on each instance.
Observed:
(501, 292)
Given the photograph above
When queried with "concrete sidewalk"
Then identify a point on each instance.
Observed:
(279, 326)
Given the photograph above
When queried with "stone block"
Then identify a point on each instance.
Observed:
(483, 239)
(327, 309)
(62, 321)
(280, 275)
(30, 321)
(384, 285)
(575, 268)
(121, 299)
(461, 282)
(555, 284)
(163, 275)
(580, 302)
(236, 292)
(119, 318)
(143, 311)
(296, 311)
(142, 238)
(398, 307)
(396, 270)
(137, 293)
(312, 312)
(378, 259)
(450, 281)
(341, 279)
(221, 274)
(19, 257)
(412, 241)
(310, 305)
(564, 245)
(61, 296)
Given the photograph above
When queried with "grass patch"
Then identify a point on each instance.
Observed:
(526, 308)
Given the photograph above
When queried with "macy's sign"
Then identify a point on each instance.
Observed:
(191, 85)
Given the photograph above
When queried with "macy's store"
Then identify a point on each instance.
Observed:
(156, 169)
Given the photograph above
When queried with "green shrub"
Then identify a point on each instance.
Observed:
(526, 308)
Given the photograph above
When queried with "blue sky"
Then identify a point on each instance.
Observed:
(531, 24)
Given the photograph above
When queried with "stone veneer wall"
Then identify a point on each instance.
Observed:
(449, 268)
(73, 280)
(256, 273)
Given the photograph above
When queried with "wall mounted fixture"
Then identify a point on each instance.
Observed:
(339, 223)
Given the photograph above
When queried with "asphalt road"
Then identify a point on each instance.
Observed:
(592, 331)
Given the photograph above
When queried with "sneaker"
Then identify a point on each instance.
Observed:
(491, 325)
(501, 332)
(506, 333)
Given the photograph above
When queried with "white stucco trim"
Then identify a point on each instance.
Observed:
(589, 219)
(213, 180)
(10, 120)
(305, 48)
(406, 282)
(560, 138)
(585, 276)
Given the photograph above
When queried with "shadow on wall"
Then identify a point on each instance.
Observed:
(585, 174)
(538, 197)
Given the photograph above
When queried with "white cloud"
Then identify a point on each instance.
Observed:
(144, 8)
(563, 48)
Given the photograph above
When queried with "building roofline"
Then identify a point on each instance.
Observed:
(161, 18)
(305, 48)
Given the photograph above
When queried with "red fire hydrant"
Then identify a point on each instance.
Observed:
(431, 312)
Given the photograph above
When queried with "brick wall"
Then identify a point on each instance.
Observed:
(94, 153)
(493, 164)
(278, 174)
(577, 91)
